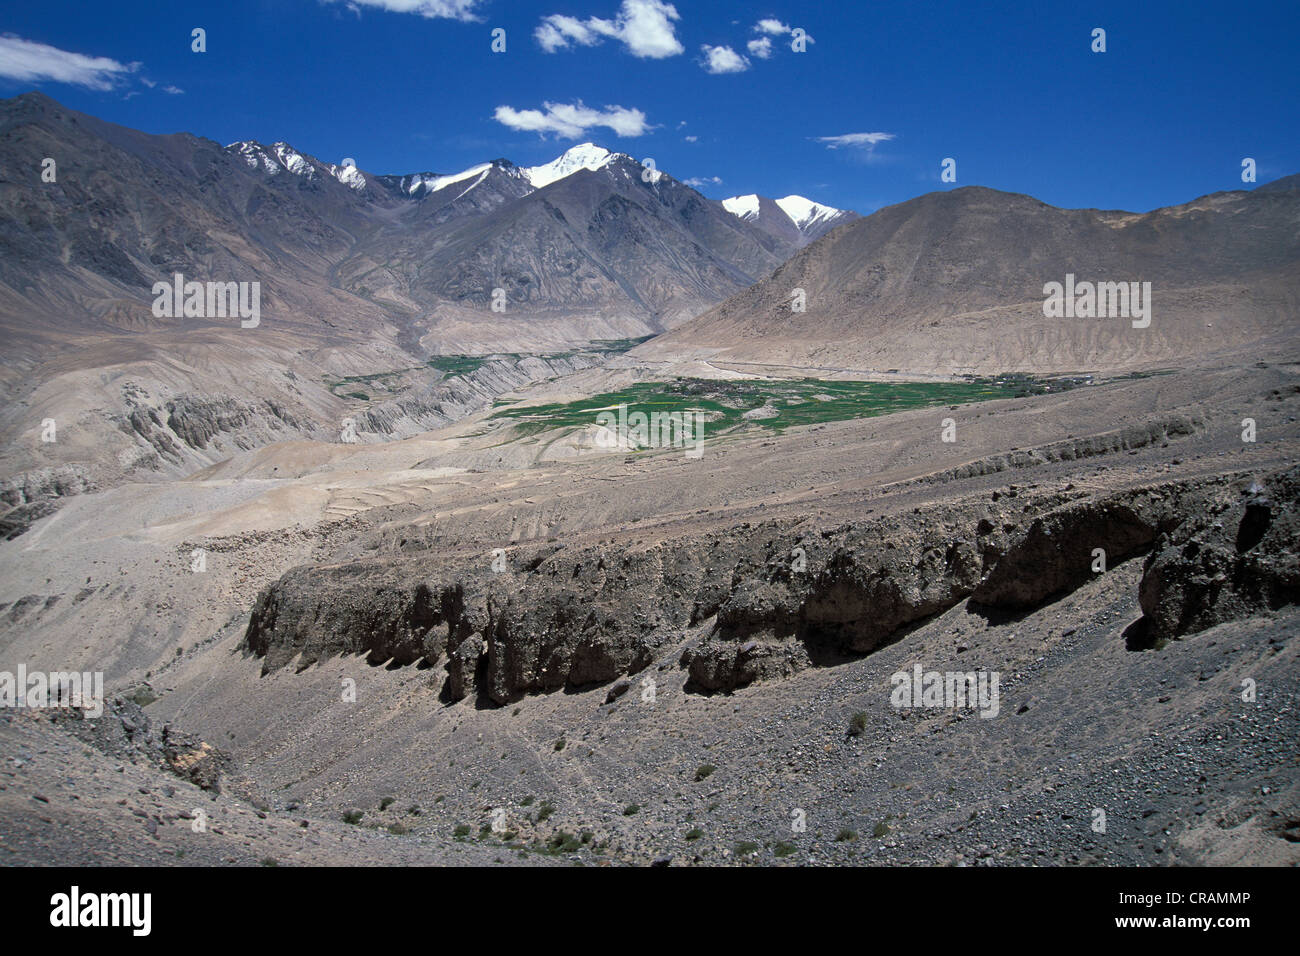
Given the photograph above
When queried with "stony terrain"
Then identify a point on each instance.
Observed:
(696, 699)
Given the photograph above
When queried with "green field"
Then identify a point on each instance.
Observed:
(451, 365)
(796, 402)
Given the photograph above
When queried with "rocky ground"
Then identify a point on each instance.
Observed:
(686, 661)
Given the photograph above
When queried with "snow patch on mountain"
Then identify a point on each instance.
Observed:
(349, 176)
(260, 157)
(746, 207)
(281, 157)
(432, 182)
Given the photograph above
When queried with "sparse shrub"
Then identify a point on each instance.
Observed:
(784, 848)
(461, 831)
(353, 816)
(564, 842)
(846, 835)
(694, 833)
(142, 697)
(858, 724)
(545, 811)
(387, 802)
(881, 830)
(746, 848)
(703, 770)
(631, 809)
(559, 744)
(396, 829)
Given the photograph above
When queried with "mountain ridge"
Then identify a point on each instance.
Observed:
(953, 282)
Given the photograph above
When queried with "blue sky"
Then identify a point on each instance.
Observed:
(862, 118)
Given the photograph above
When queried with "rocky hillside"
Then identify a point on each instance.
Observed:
(954, 282)
(344, 253)
(764, 601)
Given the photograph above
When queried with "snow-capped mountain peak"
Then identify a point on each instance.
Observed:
(582, 156)
(746, 207)
(280, 157)
(805, 213)
(432, 182)
(273, 159)
(789, 217)
(348, 175)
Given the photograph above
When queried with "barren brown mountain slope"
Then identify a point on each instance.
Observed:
(360, 280)
(953, 283)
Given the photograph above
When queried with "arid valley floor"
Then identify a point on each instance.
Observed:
(652, 570)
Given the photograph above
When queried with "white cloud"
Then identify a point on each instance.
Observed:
(571, 120)
(723, 59)
(29, 62)
(692, 139)
(773, 28)
(174, 90)
(865, 141)
(697, 181)
(761, 48)
(451, 9)
(645, 27)
(557, 31)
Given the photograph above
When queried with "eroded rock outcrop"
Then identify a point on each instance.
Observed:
(763, 601)
(125, 731)
(1236, 558)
